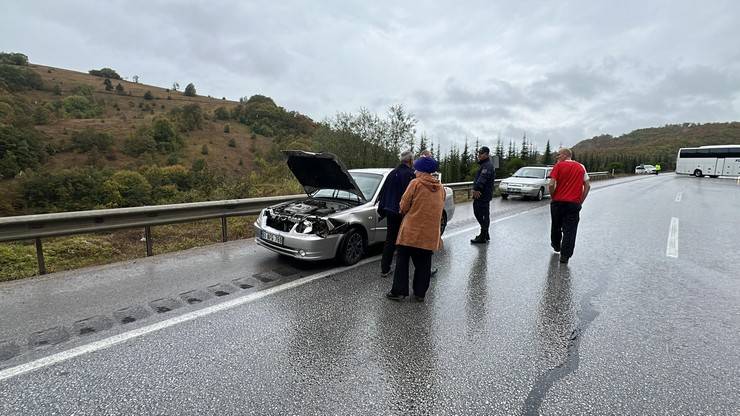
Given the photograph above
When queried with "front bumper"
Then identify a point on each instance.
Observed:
(519, 191)
(311, 246)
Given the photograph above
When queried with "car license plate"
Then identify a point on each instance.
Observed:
(278, 239)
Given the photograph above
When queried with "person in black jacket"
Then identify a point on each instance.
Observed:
(388, 206)
(482, 194)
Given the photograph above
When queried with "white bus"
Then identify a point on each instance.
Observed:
(713, 161)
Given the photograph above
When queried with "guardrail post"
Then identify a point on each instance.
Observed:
(40, 256)
(148, 238)
(224, 230)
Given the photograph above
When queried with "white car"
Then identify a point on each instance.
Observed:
(529, 181)
(337, 219)
(645, 169)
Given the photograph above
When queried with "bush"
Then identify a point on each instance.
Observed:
(139, 143)
(232, 143)
(189, 117)
(86, 140)
(227, 128)
(41, 115)
(148, 95)
(190, 90)
(11, 58)
(57, 90)
(222, 113)
(18, 78)
(119, 89)
(78, 106)
(85, 90)
(105, 73)
(65, 190)
(204, 150)
(108, 84)
(164, 134)
(126, 189)
(20, 148)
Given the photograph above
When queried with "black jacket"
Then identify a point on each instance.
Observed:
(393, 188)
(484, 179)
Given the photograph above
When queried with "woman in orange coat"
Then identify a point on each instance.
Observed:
(419, 236)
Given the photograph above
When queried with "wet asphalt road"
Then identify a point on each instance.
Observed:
(505, 329)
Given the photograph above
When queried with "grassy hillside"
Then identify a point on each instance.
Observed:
(652, 145)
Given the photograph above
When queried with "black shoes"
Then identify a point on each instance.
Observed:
(479, 239)
(393, 296)
(555, 248)
(419, 299)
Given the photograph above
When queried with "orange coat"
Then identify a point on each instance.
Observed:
(421, 206)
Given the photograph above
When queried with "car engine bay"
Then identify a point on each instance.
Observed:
(308, 216)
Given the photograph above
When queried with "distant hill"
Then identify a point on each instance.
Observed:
(77, 141)
(652, 145)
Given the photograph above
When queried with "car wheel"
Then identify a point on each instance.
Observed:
(443, 223)
(504, 196)
(352, 248)
(698, 173)
(540, 193)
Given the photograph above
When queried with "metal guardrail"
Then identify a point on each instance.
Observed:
(36, 227)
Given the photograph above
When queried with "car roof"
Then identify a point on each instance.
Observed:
(536, 167)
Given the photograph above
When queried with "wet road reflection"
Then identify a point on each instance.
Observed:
(406, 348)
(476, 309)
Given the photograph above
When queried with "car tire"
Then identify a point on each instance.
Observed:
(352, 248)
(504, 196)
(540, 194)
(443, 223)
(698, 173)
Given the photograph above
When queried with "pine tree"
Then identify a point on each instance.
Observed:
(524, 153)
(547, 156)
(512, 152)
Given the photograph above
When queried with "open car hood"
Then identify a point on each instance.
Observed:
(321, 171)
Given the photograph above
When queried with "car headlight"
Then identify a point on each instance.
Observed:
(304, 227)
(503, 185)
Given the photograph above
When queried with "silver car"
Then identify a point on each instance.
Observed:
(529, 181)
(338, 219)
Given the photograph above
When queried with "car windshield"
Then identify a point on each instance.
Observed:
(367, 182)
(530, 173)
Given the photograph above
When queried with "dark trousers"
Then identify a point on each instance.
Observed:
(565, 217)
(394, 224)
(422, 270)
(482, 212)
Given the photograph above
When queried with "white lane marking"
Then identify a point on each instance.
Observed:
(679, 196)
(671, 249)
(117, 339)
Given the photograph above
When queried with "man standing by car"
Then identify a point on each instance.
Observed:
(388, 206)
(569, 186)
(482, 194)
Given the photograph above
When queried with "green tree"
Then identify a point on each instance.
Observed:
(119, 89)
(108, 84)
(12, 58)
(547, 158)
(87, 139)
(148, 95)
(232, 142)
(189, 117)
(227, 128)
(204, 150)
(190, 90)
(18, 78)
(222, 113)
(78, 106)
(126, 189)
(105, 73)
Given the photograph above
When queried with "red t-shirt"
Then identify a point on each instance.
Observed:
(570, 176)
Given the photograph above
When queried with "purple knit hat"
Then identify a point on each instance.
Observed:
(426, 164)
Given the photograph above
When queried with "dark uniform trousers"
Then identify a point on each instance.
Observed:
(565, 217)
(422, 270)
(393, 222)
(482, 212)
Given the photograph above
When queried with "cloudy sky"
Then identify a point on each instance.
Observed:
(562, 71)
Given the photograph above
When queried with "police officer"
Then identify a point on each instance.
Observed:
(482, 194)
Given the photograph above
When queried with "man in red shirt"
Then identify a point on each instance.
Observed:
(569, 187)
